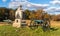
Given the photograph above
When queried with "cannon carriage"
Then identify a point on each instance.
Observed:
(45, 24)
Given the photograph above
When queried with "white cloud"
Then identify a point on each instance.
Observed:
(40, 5)
(27, 4)
(53, 9)
(46, 7)
(15, 0)
(14, 4)
(19, 0)
(4, 0)
(55, 2)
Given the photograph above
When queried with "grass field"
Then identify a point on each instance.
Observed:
(11, 31)
(8, 30)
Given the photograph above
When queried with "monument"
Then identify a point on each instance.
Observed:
(18, 17)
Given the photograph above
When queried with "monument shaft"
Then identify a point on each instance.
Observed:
(18, 18)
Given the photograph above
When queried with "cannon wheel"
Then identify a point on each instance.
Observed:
(33, 25)
(46, 26)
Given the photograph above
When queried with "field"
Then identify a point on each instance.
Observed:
(8, 30)
(55, 23)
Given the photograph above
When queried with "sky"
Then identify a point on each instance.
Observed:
(51, 6)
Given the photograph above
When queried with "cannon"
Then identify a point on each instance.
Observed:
(45, 24)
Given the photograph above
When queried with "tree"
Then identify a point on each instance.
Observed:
(27, 12)
(3, 14)
(39, 14)
(56, 17)
(6, 13)
(11, 14)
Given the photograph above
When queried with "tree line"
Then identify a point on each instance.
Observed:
(39, 14)
(6, 13)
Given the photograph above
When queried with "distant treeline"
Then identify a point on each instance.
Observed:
(6, 13)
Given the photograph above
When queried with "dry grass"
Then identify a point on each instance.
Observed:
(55, 23)
(3, 23)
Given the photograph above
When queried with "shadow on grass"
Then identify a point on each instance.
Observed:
(45, 29)
(54, 29)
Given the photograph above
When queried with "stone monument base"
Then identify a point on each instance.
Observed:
(17, 23)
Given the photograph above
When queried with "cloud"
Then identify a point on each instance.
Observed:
(17, 3)
(15, 0)
(47, 7)
(14, 4)
(4, 0)
(39, 5)
(53, 9)
(55, 2)
(19, 0)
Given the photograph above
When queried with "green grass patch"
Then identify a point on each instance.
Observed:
(11, 31)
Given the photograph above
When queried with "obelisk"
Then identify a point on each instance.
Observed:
(18, 17)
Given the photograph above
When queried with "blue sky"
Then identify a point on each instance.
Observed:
(6, 2)
(51, 6)
(40, 1)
